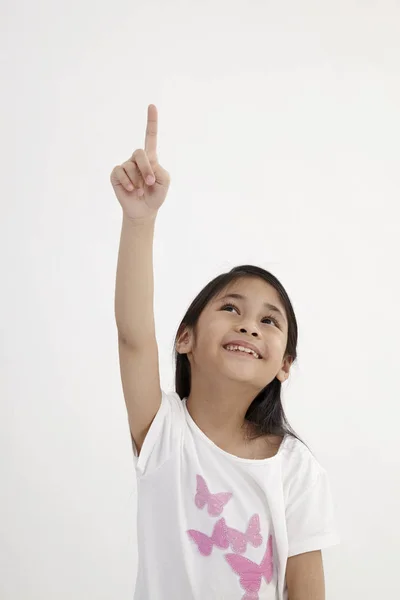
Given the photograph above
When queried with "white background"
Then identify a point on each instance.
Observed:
(279, 124)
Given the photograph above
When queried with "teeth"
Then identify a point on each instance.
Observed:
(242, 349)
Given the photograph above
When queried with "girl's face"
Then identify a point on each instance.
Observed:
(249, 318)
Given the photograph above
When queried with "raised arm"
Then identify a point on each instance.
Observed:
(141, 186)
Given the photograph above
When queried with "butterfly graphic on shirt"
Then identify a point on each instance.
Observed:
(215, 502)
(251, 573)
(238, 541)
(205, 543)
(225, 537)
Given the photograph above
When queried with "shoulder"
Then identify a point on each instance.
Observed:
(172, 409)
(301, 471)
(172, 401)
(169, 420)
(164, 433)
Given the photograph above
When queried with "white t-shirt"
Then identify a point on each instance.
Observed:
(213, 526)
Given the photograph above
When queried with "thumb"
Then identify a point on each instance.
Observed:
(162, 176)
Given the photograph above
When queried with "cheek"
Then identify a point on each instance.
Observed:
(276, 345)
(213, 329)
(209, 338)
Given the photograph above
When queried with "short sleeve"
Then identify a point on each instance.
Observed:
(310, 518)
(164, 435)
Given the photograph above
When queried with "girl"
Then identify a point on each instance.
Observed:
(231, 504)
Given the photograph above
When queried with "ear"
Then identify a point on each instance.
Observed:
(283, 373)
(184, 343)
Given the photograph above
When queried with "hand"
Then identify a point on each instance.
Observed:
(139, 196)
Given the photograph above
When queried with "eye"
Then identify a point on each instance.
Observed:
(229, 306)
(270, 317)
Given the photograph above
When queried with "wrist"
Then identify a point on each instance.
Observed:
(139, 222)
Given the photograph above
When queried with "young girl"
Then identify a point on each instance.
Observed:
(231, 504)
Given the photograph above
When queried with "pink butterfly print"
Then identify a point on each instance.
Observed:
(215, 502)
(251, 573)
(238, 540)
(205, 543)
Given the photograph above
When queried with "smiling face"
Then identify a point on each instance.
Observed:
(255, 315)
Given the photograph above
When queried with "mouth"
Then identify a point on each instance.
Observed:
(243, 353)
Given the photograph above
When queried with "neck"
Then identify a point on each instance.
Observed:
(219, 410)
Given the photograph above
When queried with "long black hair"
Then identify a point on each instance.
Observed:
(265, 413)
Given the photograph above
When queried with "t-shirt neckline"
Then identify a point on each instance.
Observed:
(253, 461)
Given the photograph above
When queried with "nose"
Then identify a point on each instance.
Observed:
(244, 330)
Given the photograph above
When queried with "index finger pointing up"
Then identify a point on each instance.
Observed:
(150, 145)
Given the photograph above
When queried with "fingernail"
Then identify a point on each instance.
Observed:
(149, 179)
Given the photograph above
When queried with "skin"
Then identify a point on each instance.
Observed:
(223, 384)
(305, 576)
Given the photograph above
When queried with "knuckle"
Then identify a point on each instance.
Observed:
(130, 166)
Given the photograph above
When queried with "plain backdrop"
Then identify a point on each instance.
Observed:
(279, 124)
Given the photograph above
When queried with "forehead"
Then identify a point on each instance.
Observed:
(254, 288)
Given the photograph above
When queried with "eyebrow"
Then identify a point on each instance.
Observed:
(267, 305)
